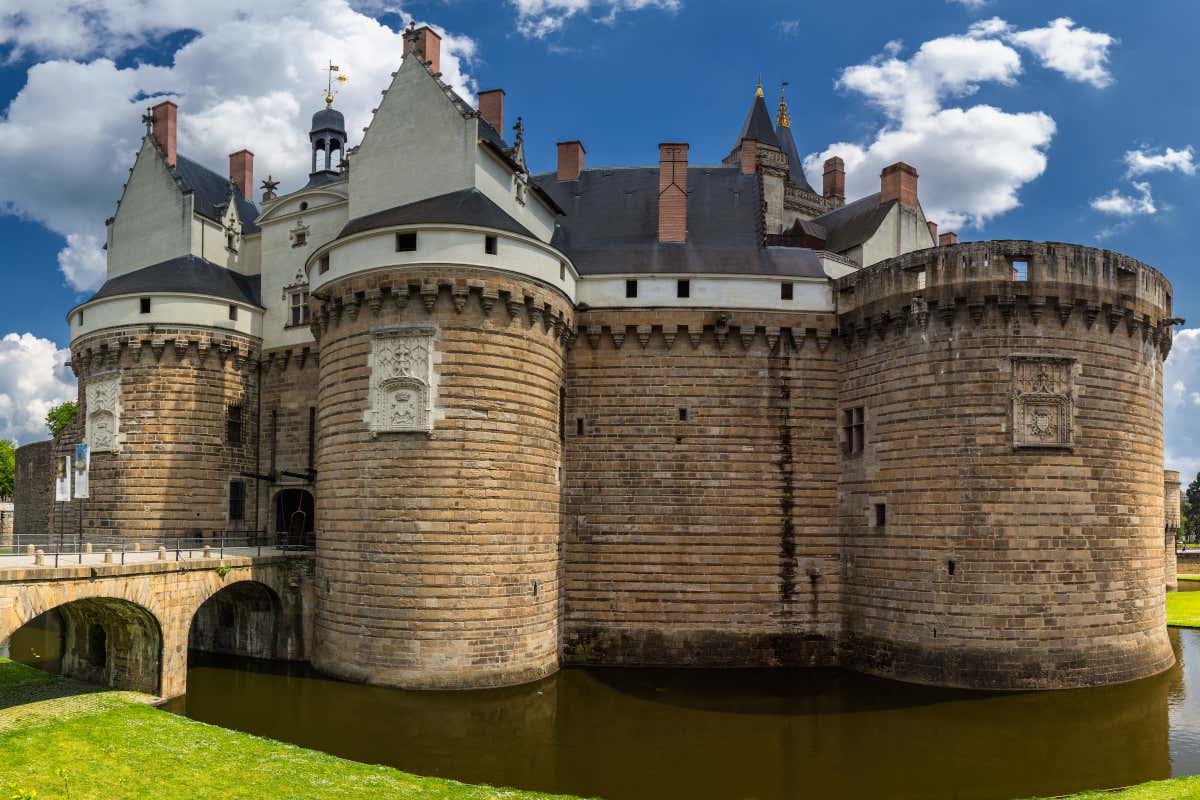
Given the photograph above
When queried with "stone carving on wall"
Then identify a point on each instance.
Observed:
(402, 389)
(103, 412)
(1043, 397)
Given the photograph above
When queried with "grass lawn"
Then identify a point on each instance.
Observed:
(1188, 577)
(60, 739)
(1183, 609)
(1175, 789)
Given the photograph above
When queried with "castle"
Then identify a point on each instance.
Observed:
(664, 415)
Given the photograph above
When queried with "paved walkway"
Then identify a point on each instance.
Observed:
(98, 557)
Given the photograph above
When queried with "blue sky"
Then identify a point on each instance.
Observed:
(1020, 129)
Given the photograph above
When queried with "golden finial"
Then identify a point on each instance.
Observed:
(758, 92)
(329, 83)
(783, 119)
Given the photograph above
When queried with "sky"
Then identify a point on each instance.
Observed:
(1044, 120)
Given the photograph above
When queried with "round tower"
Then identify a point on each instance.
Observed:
(1002, 467)
(327, 136)
(439, 456)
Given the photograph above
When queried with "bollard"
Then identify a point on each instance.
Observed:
(39, 558)
(208, 552)
(28, 549)
(108, 559)
(162, 554)
(87, 547)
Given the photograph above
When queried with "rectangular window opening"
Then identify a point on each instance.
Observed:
(579, 426)
(233, 313)
(233, 426)
(683, 288)
(683, 415)
(1020, 270)
(490, 245)
(631, 288)
(881, 515)
(323, 265)
(786, 291)
(854, 431)
(299, 309)
(237, 501)
(950, 566)
(80, 318)
(406, 242)
(300, 238)
(145, 305)
(231, 242)
(562, 270)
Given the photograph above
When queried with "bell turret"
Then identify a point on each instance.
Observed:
(328, 135)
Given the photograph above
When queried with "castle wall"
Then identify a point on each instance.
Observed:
(1171, 515)
(287, 434)
(171, 471)
(33, 492)
(705, 541)
(437, 553)
(1014, 441)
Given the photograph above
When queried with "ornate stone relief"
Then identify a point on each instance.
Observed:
(102, 426)
(402, 381)
(1043, 397)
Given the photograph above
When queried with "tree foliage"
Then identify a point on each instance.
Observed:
(1189, 521)
(8, 467)
(60, 417)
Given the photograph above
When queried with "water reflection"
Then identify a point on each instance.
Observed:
(628, 734)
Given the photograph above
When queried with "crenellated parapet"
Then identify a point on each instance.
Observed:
(1006, 284)
(144, 345)
(720, 329)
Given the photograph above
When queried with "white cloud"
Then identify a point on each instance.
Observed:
(1144, 160)
(241, 82)
(1181, 404)
(1127, 205)
(33, 378)
(538, 19)
(972, 5)
(1077, 52)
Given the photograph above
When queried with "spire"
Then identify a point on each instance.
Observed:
(783, 132)
(758, 122)
(783, 120)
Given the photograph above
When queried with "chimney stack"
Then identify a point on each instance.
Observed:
(835, 178)
(241, 171)
(947, 239)
(932, 230)
(163, 117)
(749, 156)
(428, 46)
(570, 160)
(672, 192)
(491, 108)
(898, 182)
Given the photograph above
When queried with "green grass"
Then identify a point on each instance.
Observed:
(1175, 789)
(110, 745)
(1188, 577)
(1183, 609)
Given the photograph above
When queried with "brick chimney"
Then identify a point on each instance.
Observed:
(570, 160)
(932, 230)
(748, 158)
(947, 239)
(835, 178)
(672, 192)
(241, 171)
(491, 108)
(429, 47)
(898, 182)
(163, 116)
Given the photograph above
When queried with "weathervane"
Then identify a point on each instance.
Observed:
(329, 83)
(783, 120)
(148, 119)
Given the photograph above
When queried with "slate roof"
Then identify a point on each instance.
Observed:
(611, 225)
(853, 223)
(795, 165)
(758, 124)
(185, 275)
(210, 191)
(464, 207)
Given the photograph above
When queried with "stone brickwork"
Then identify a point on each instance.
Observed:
(700, 483)
(438, 550)
(288, 436)
(1171, 512)
(33, 493)
(983, 555)
(171, 472)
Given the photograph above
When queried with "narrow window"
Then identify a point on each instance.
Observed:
(406, 242)
(299, 309)
(853, 431)
(683, 415)
(80, 317)
(1020, 270)
(312, 436)
(231, 242)
(631, 288)
(562, 270)
(786, 292)
(233, 426)
(145, 305)
(950, 566)
(323, 265)
(881, 515)
(921, 281)
(683, 288)
(299, 239)
(233, 312)
(490, 245)
(579, 426)
(562, 413)
(237, 501)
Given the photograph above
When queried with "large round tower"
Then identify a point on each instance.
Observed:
(441, 373)
(1002, 504)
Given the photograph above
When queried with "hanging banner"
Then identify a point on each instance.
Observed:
(62, 486)
(83, 462)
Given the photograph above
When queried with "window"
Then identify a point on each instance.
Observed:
(562, 270)
(233, 312)
(80, 318)
(231, 242)
(921, 280)
(323, 265)
(683, 288)
(304, 206)
(786, 292)
(881, 515)
(299, 309)
(950, 565)
(237, 501)
(1020, 270)
(853, 431)
(145, 305)
(299, 238)
(562, 413)
(683, 415)
(233, 426)
(631, 288)
(406, 242)
(490, 245)
(579, 426)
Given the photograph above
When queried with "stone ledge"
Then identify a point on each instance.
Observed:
(26, 574)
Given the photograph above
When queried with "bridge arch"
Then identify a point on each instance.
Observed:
(243, 618)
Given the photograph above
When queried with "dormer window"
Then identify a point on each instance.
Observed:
(231, 241)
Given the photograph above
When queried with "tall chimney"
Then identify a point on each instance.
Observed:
(898, 182)
(835, 178)
(570, 160)
(241, 171)
(672, 192)
(932, 230)
(429, 47)
(163, 117)
(947, 239)
(749, 156)
(491, 108)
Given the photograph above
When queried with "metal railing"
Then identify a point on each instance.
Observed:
(50, 550)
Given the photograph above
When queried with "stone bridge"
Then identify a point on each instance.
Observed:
(129, 626)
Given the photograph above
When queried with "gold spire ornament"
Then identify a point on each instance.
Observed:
(783, 119)
(340, 78)
(758, 92)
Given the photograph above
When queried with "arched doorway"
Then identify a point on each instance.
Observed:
(295, 518)
(101, 640)
(241, 620)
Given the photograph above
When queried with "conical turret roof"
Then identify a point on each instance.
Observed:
(758, 123)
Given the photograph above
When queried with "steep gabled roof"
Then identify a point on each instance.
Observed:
(185, 275)
(854, 223)
(758, 124)
(795, 165)
(464, 207)
(211, 192)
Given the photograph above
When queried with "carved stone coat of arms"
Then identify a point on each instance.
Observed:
(1043, 401)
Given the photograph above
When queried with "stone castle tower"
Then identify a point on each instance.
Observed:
(673, 414)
